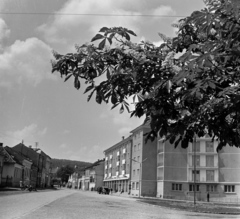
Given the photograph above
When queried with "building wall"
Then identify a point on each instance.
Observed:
(144, 164)
(117, 168)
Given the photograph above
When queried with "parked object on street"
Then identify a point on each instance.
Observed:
(105, 190)
(28, 188)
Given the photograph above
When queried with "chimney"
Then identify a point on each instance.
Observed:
(30, 146)
(122, 137)
(1, 144)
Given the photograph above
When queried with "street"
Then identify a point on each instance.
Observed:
(66, 203)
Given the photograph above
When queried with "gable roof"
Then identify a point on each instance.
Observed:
(16, 155)
(7, 157)
(94, 164)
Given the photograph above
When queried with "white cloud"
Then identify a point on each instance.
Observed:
(28, 61)
(4, 30)
(74, 29)
(163, 10)
(29, 134)
(63, 146)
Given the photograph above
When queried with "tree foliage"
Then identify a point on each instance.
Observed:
(64, 172)
(187, 86)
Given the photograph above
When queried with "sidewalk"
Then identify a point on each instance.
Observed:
(186, 205)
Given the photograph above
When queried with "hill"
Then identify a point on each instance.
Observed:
(72, 163)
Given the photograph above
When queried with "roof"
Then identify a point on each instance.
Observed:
(7, 157)
(144, 125)
(118, 144)
(16, 155)
(95, 164)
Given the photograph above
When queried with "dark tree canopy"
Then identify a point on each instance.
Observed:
(64, 172)
(187, 86)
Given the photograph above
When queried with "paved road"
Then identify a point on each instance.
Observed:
(69, 204)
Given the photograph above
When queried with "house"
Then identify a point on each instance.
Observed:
(199, 170)
(41, 163)
(117, 168)
(16, 168)
(1, 161)
(93, 176)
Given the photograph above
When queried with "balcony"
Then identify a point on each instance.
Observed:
(105, 176)
(109, 175)
(124, 151)
(124, 161)
(106, 159)
(111, 157)
(118, 163)
(110, 165)
(117, 173)
(118, 153)
(106, 167)
(123, 172)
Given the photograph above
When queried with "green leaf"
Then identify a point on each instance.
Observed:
(89, 88)
(98, 98)
(108, 74)
(97, 37)
(77, 83)
(67, 77)
(121, 109)
(114, 99)
(103, 29)
(102, 44)
(131, 32)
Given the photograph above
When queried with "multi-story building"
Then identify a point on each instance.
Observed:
(117, 168)
(41, 163)
(197, 171)
(93, 177)
(143, 163)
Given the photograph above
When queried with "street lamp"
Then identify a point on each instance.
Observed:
(140, 173)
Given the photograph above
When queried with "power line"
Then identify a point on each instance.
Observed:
(94, 15)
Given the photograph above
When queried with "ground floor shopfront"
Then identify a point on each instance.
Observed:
(118, 185)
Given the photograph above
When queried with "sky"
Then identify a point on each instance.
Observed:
(36, 105)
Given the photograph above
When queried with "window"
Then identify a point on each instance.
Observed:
(197, 175)
(196, 159)
(209, 146)
(135, 147)
(133, 185)
(191, 188)
(176, 187)
(211, 188)
(229, 188)
(137, 185)
(210, 175)
(209, 161)
(196, 146)
(138, 172)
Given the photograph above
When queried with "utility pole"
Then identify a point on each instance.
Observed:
(194, 183)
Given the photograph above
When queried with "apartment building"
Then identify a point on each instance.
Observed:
(143, 163)
(117, 168)
(198, 168)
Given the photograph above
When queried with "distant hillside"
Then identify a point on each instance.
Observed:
(71, 163)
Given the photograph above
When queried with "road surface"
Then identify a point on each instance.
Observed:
(66, 203)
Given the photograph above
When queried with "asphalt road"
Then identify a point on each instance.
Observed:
(66, 203)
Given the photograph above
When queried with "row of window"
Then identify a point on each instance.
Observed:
(209, 146)
(209, 188)
(136, 172)
(209, 160)
(209, 175)
(136, 147)
(135, 185)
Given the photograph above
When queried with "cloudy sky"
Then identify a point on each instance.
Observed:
(37, 106)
